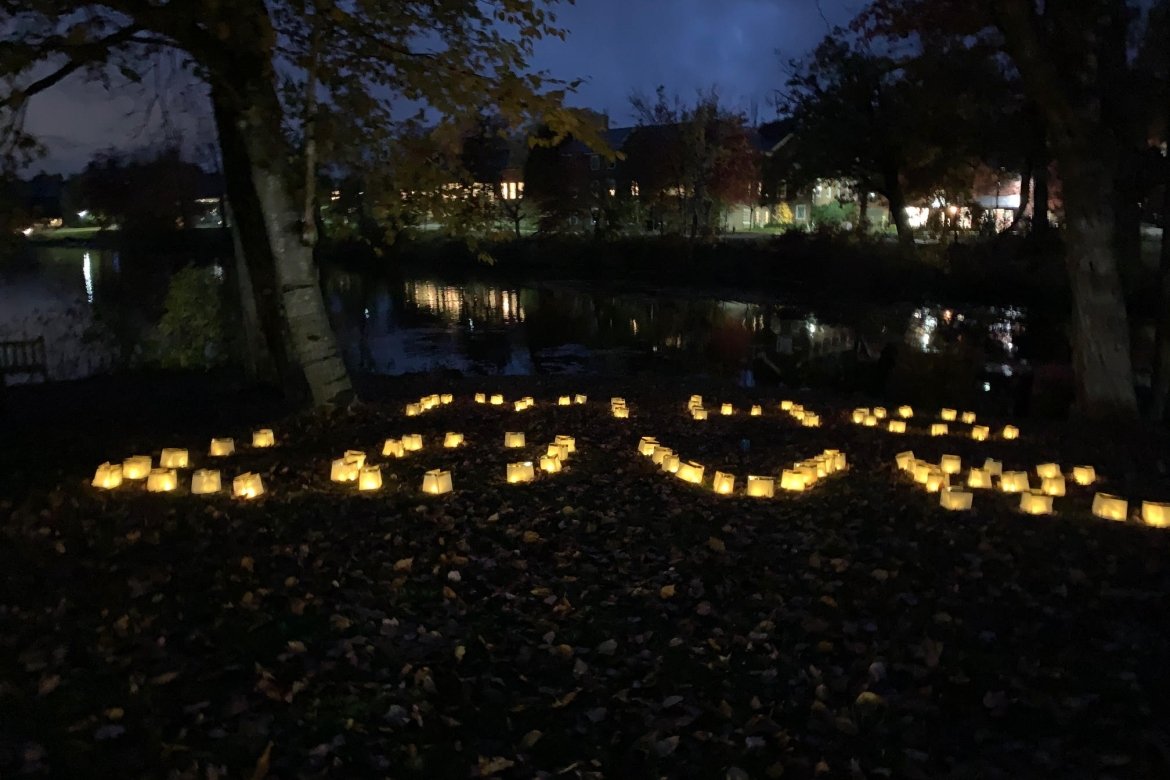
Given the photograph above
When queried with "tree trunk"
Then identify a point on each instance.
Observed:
(1040, 224)
(1025, 195)
(1160, 384)
(897, 201)
(253, 254)
(259, 167)
(1101, 348)
(258, 363)
(313, 341)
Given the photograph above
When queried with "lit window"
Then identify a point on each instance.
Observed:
(801, 212)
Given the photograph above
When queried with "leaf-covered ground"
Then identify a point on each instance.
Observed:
(608, 621)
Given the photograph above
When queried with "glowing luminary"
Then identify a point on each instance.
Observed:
(670, 464)
(870, 421)
(897, 426)
(529, 401)
(723, 484)
(809, 471)
(263, 438)
(521, 472)
(937, 481)
(980, 432)
(979, 478)
(514, 439)
(967, 418)
(699, 414)
(955, 500)
(429, 402)
(792, 480)
(810, 420)
(550, 463)
(108, 476)
(948, 415)
(695, 400)
(1014, 482)
(1011, 432)
(1032, 503)
(646, 445)
(761, 487)
(905, 460)
(519, 406)
(481, 398)
(660, 454)
(689, 471)
(840, 463)
(437, 482)
(206, 481)
(412, 442)
(993, 467)
(222, 447)
(905, 412)
(859, 415)
(356, 456)
(497, 400)
(1110, 507)
(798, 413)
(580, 399)
(370, 478)
(564, 400)
(452, 440)
(1052, 486)
(413, 410)
(621, 413)
(446, 398)
(136, 467)
(950, 464)
(1084, 475)
(757, 410)
(1048, 470)
(922, 471)
(172, 458)
(568, 441)
(561, 452)
(393, 448)
(344, 470)
(785, 406)
(616, 401)
(880, 412)
(726, 410)
(247, 486)
(938, 429)
(1157, 515)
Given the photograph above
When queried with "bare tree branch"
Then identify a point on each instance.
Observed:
(80, 55)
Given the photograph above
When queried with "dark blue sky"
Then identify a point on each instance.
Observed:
(618, 45)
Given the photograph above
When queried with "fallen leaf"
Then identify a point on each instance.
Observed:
(666, 591)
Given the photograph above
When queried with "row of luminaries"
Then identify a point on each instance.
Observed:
(164, 478)
(353, 468)
(802, 476)
(870, 418)
(935, 478)
(429, 402)
(806, 418)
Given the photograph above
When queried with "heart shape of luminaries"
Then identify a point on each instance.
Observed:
(545, 459)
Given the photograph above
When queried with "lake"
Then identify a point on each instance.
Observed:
(96, 309)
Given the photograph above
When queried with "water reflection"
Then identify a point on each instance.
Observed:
(96, 308)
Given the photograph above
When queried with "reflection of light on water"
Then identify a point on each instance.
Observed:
(87, 272)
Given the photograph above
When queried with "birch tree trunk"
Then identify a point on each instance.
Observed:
(1101, 343)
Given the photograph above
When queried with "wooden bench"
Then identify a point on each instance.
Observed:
(24, 357)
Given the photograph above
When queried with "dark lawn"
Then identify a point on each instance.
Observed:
(609, 621)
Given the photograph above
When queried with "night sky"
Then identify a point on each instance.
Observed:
(619, 45)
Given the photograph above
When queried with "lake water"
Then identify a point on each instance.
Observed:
(96, 308)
